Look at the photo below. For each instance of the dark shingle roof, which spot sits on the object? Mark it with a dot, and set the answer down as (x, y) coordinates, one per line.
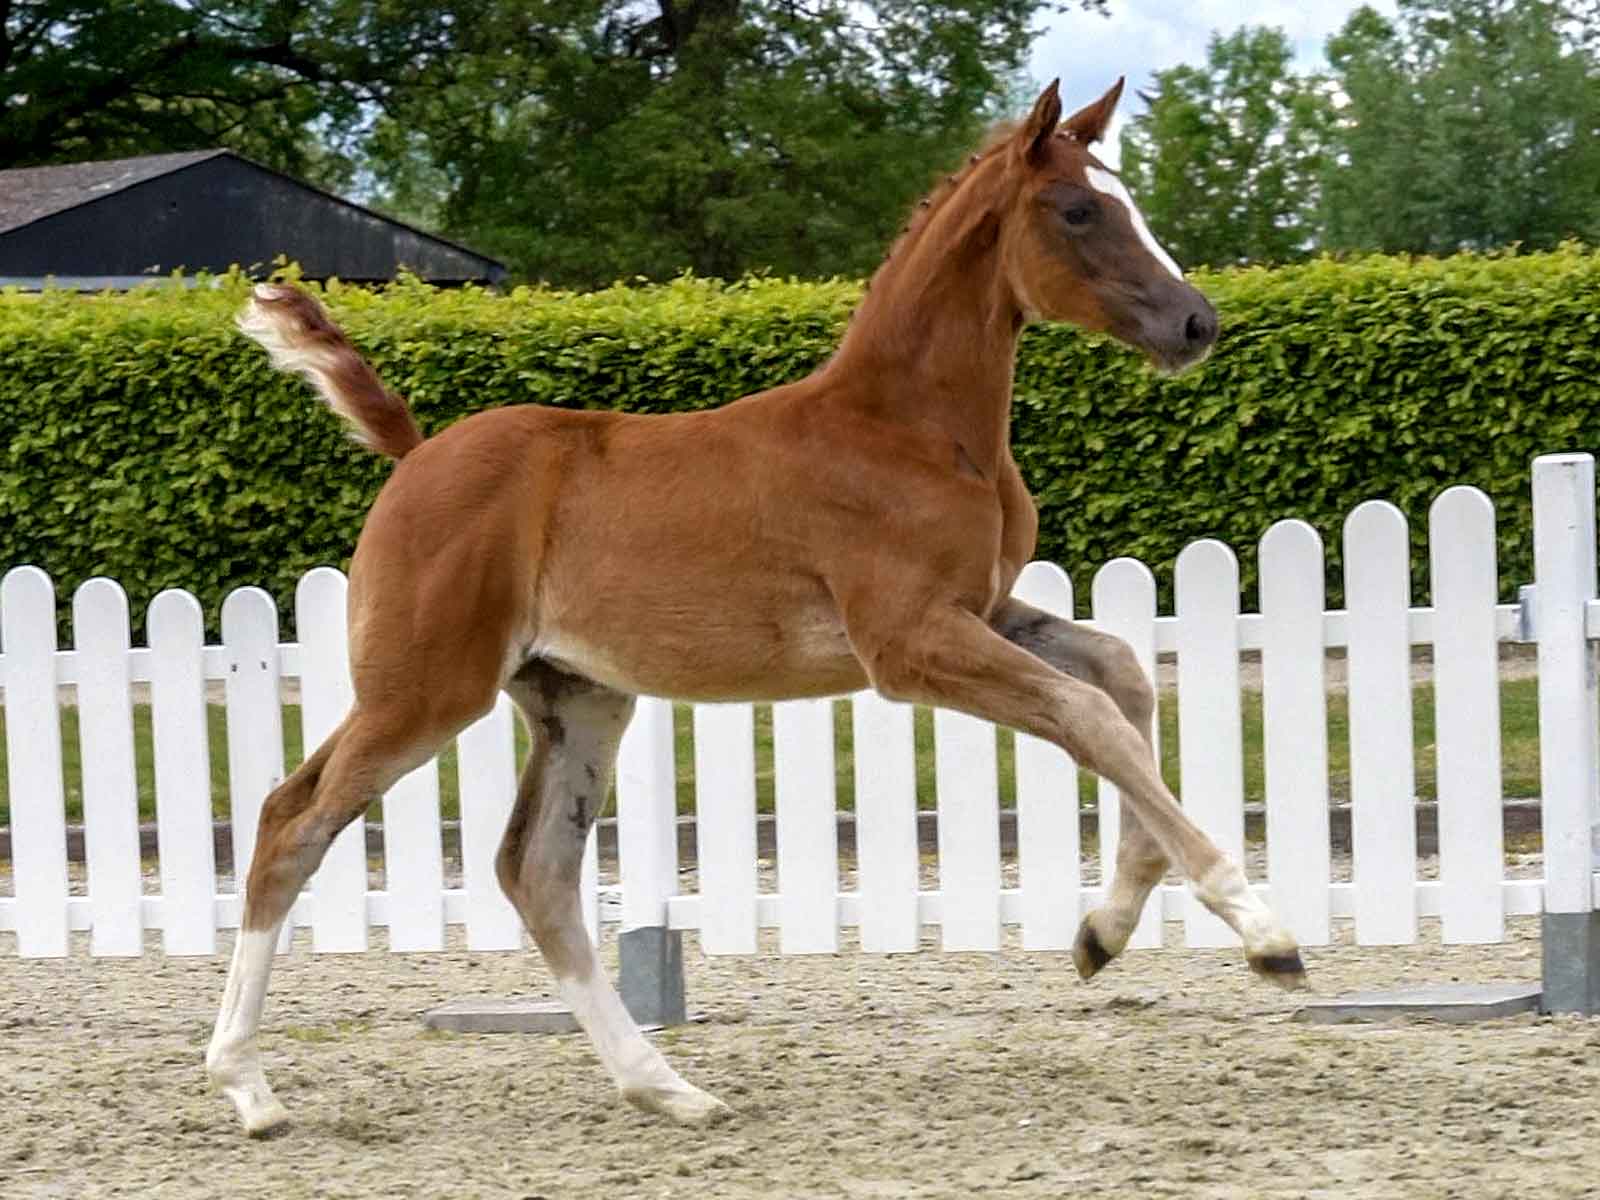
(28, 194)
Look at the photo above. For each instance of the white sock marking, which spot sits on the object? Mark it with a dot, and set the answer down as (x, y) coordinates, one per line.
(232, 1059)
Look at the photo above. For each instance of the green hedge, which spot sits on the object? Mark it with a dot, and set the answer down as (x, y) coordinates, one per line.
(146, 440)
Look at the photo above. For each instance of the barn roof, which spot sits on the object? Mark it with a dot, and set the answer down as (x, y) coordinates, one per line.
(28, 194)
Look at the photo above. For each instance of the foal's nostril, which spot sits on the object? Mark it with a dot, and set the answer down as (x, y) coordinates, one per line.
(1200, 327)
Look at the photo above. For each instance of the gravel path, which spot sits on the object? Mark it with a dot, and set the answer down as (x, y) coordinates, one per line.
(850, 1076)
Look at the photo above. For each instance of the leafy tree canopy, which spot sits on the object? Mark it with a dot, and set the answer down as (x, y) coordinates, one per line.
(1226, 158)
(1459, 124)
(583, 140)
(1469, 124)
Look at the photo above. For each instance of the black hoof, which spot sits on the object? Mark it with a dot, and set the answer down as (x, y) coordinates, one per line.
(1088, 955)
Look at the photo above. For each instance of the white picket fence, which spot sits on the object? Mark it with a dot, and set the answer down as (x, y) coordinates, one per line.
(889, 906)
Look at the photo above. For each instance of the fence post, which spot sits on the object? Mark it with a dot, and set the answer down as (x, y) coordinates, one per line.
(1564, 571)
(649, 954)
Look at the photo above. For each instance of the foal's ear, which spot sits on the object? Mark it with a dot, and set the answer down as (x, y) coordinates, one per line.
(1089, 123)
(1041, 123)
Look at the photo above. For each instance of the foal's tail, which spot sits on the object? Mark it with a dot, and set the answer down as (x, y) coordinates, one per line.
(296, 331)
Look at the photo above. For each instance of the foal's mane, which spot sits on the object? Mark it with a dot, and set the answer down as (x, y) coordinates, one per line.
(941, 192)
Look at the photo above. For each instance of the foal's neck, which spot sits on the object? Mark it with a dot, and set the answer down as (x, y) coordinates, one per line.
(935, 337)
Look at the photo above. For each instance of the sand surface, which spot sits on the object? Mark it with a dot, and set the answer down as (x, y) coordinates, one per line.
(926, 1075)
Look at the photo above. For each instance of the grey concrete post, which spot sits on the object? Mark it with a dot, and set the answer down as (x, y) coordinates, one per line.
(650, 975)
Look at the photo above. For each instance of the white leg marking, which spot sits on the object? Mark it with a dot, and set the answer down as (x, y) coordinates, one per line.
(233, 1060)
(641, 1074)
(1226, 892)
(1105, 182)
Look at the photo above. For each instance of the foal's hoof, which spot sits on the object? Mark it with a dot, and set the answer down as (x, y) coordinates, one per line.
(1286, 970)
(1088, 955)
(686, 1104)
(269, 1122)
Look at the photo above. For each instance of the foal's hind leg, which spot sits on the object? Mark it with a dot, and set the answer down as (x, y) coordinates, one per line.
(1109, 664)
(576, 726)
(352, 768)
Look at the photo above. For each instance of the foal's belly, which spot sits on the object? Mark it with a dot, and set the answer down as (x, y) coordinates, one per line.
(709, 653)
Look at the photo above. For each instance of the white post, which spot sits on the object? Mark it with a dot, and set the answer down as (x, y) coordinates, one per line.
(725, 826)
(1294, 699)
(177, 633)
(1210, 726)
(486, 768)
(887, 865)
(650, 955)
(1564, 571)
(1383, 820)
(1124, 600)
(339, 887)
(807, 826)
(33, 762)
(1048, 854)
(1467, 716)
(110, 785)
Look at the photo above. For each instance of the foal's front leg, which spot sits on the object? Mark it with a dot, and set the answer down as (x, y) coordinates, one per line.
(952, 658)
(1108, 663)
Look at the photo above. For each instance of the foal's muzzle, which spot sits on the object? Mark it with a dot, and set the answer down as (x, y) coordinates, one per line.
(1178, 331)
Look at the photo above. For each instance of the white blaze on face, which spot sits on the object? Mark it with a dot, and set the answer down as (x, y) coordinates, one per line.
(1105, 182)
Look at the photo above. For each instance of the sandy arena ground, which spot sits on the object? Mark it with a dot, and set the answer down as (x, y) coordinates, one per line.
(850, 1076)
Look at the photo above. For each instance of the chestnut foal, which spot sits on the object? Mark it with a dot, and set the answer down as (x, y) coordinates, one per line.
(862, 526)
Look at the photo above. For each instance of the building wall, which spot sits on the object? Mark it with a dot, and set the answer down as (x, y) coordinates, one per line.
(223, 211)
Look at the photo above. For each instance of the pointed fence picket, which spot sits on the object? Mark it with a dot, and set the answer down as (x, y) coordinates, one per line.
(110, 785)
(1047, 802)
(889, 905)
(1383, 830)
(1295, 729)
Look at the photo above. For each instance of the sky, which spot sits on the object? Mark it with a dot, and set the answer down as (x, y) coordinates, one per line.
(1088, 52)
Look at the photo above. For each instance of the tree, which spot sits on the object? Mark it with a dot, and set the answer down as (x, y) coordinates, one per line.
(1468, 124)
(1227, 157)
(719, 135)
(583, 140)
(84, 79)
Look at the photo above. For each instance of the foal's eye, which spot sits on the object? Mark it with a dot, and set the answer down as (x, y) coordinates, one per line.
(1078, 214)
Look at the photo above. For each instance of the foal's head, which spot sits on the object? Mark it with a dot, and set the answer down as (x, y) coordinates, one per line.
(1075, 247)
